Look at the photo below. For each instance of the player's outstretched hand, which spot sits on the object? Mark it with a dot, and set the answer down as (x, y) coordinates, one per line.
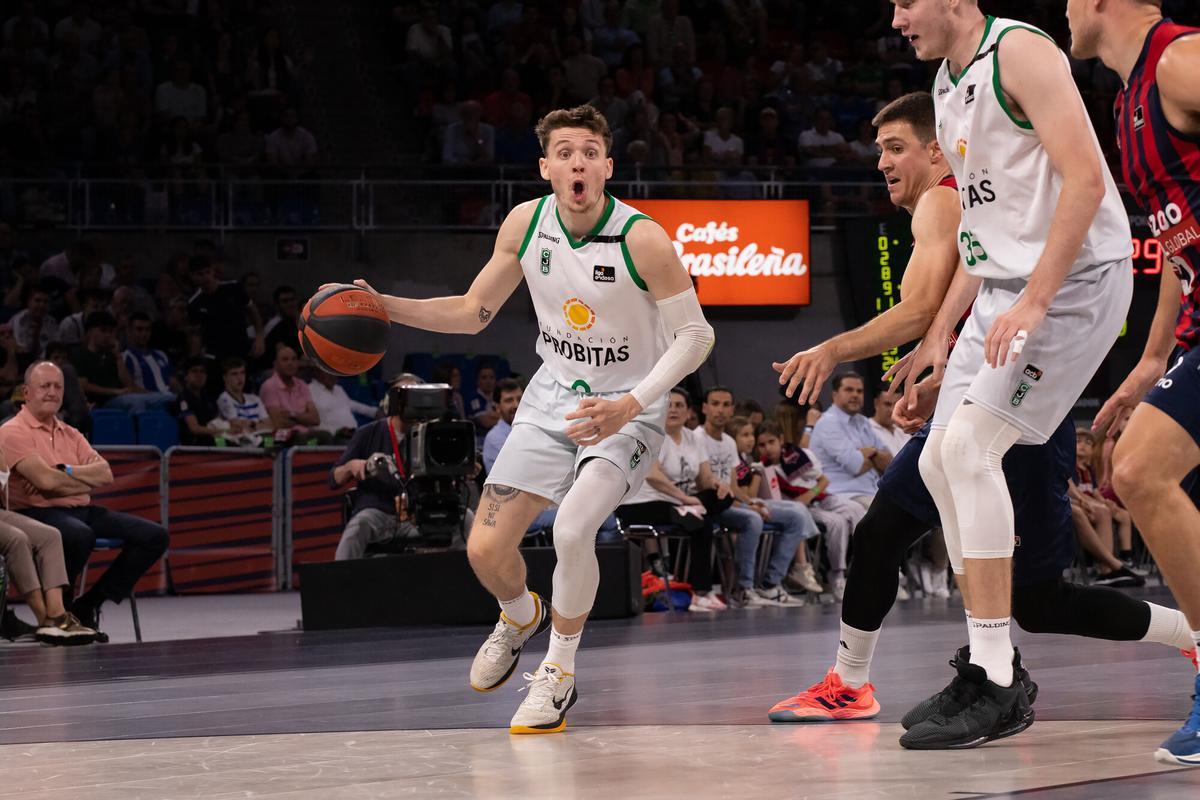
(911, 418)
(931, 353)
(600, 419)
(359, 282)
(806, 371)
(1010, 330)
(1115, 413)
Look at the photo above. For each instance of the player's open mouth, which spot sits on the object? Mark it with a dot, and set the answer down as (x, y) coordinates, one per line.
(892, 181)
(912, 38)
(577, 188)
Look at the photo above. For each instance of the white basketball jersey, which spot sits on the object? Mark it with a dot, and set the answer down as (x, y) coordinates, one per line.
(599, 329)
(1007, 184)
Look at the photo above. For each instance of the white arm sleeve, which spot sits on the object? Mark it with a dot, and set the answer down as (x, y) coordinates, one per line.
(683, 320)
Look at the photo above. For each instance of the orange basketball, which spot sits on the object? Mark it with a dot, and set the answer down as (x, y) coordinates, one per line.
(344, 329)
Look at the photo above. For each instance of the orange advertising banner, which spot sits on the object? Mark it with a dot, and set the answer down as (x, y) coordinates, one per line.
(740, 252)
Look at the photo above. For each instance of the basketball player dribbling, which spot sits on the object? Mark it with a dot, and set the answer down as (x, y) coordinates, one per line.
(1044, 236)
(919, 181)
(1158, 131)
(619, 325)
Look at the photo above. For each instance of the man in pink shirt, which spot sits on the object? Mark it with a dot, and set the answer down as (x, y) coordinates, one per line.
(289, 402)
(54, 471)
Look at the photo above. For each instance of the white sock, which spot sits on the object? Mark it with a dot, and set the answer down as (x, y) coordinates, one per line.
(1169, 627)
(967, 611)
(855, 649)
(991, 648)
(520, 610)
(562, 650)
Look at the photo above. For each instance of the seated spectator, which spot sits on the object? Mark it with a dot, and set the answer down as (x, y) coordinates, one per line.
(171, 332)
(378, 514)
(797, 474)
(750, 475)
(821, 146)
(241, 145)
(249, 423)
(723, 147)
(607, 103)
(496, 105)
(75, 409)
(671, 32)
(136, 297)
(102, 373)
(81, 25)
(516, 143)
(282, 328)
(611, 39)
(80, 257)
(747, 514)
(770, 147)
(850, 452)
(8, 360)
(482, 409)
(200, 422)
(180, 97)
(671, 496)
(291, 145)
(70, 330)
(891, 434)
(335, 407)
(33, 554)
(864, 149)
(33, 328)
(1093, 517)
(149, 368)
(445, 372)
(470, 142)
(289, 403)
(582, 71)
(429, 43)
(752, 411)
(54, 472)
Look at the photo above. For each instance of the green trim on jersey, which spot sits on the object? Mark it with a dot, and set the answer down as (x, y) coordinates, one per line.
(633, 273)
(987, 29)
(581, 385)
(1023, 124)
(533, 223)
(578, 243)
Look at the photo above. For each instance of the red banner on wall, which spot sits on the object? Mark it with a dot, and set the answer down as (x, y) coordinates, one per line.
(740, 252)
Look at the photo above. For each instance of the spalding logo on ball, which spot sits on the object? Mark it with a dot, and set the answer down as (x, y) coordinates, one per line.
(344, 329)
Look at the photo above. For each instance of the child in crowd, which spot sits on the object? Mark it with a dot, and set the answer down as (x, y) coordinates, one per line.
(795, 473)
(751, 477)
(1095, 516)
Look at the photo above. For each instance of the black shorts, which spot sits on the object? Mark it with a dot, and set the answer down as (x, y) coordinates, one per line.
(1177, 394)
(1037, 477)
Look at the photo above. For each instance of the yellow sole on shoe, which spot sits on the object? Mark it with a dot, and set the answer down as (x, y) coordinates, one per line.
(521, 729)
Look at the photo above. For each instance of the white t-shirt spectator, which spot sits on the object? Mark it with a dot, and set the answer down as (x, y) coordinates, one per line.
(23, 332)
(826, 72)
(894, 439)
(425, 45)
(722, 455)
(291, 149)
(680, 462)
(724, 148)
(336, 408)
(864, 151)
(189, 102)
(70, 330)
(811, 138)
(57, 266)
(250, 407)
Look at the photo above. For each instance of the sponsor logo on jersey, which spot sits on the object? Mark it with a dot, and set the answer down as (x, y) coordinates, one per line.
(1033, 373)
(1139, 118)
(943, 90)
(961, 147)
(977, 194)
(554, 239)
(579, 315)
(637, 455)
(602, 274)
(587, 353)
(1019, 395)
(545, 260)
(970, 95)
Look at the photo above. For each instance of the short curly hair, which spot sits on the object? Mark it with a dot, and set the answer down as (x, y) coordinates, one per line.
(579, 117)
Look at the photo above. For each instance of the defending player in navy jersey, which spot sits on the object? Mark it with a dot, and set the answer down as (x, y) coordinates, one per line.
(902, 510)
(619, 325)
(1158, 132)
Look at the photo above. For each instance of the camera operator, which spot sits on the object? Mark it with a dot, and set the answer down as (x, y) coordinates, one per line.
(378, 514)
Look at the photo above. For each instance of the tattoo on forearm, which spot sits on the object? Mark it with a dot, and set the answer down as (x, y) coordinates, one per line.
(484, 314)
(496, 496)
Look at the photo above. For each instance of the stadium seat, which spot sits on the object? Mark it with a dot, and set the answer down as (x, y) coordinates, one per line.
(112, 427)
(157, 429)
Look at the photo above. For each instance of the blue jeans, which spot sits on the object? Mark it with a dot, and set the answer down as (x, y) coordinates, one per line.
(795, 524)
(140, 401)
(607, 534)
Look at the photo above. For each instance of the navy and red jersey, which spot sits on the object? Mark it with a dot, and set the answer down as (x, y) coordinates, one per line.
(950, 183)
(1161, 166)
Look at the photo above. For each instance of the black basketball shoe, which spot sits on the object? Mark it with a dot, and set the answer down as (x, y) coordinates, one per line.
(950, 700)
(986, 712)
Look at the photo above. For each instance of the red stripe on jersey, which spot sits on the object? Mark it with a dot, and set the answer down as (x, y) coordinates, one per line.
(1161, 166)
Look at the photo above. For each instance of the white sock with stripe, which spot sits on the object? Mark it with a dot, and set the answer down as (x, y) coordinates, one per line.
(562, 650)
(855, 649)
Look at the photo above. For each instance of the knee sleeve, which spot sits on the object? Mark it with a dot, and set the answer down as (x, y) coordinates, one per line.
(1096, 612)
(934, 475)
(972, 452)
(596, 492)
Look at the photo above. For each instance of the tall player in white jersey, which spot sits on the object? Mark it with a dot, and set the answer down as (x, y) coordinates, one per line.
(619, 324)
(1045, 245)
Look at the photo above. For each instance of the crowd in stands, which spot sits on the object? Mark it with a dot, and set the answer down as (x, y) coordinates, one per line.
(720, 84)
